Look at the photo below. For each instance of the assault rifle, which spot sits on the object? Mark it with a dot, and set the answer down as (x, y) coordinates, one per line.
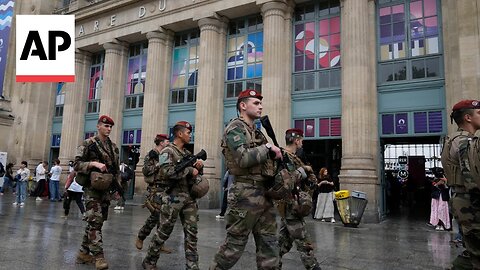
(283, 163)
(188, 161)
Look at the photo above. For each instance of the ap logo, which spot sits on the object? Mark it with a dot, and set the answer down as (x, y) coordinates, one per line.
(45, 48)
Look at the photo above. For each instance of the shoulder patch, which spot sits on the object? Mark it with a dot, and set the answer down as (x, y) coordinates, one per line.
(163, 159)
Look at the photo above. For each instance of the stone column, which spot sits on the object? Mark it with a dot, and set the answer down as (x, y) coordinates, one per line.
(113, 89)
(74, 108)
(157, 83)
(26, 126)
(209, 109)
(359, 168)
(276, 39)
(461, 45)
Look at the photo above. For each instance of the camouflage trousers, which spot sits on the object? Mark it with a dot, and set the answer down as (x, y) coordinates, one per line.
(174, 206)
(249, 212)
(152, 221)
(95, 214)
(466, 209)
(293, 231)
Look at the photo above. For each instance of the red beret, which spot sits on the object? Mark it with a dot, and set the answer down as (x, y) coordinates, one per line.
(250, 93)
(106, 120)
(466, 104)
(294, 132)
(184, 124)
(162, 137)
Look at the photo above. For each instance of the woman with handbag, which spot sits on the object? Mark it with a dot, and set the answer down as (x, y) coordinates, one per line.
(325, 186)
(439, 215)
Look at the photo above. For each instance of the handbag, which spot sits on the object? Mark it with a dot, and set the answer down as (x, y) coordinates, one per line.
(100, 181)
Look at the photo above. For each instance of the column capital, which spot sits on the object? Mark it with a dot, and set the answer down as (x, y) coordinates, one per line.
(274, 8)
(114, 45)
(81, 56)
(217, 23)
(161, 33)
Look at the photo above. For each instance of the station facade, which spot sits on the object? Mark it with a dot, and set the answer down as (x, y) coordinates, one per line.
(355, 75)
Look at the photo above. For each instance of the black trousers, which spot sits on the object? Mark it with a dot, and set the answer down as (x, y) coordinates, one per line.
(40, 189)
(71, 195)
(224, 203)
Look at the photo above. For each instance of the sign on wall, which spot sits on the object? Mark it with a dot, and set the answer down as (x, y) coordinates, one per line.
(6, 14)
(45, 48)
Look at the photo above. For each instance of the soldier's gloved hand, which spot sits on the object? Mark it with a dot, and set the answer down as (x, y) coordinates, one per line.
(99, 166)
(198, 164)
(194, 172)
(277, 151)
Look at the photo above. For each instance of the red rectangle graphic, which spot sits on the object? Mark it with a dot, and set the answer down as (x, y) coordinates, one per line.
(45, 78)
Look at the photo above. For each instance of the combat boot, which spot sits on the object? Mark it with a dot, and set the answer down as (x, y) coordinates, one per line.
(148, 266)
(317, 267)
(83, 257)
(100, 262)
(139, 243)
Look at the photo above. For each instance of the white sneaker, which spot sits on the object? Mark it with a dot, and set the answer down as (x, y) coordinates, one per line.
(15, 203)
(38, 199)
(22, 204)
(118, 207)
(332, 220)
(219, 217)
(439, 228)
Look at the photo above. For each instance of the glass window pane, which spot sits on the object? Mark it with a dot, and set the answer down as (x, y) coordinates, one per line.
(252, 23)
(431, 45)
(398, 13)
(335, 25)
(385, 33)
(324, 27)
(416, 29)
(323, 8)
(299, 124)
(335, 78)
(323, 80)
(399, 31)
(385, 15)
(174, 97)
(181, 96)
(433, 67)
(299, 63)
(418, 69)
(386, 73)
(416, 10)
(309, 81)
(400, 71)
(387, 124)
(418, 47)
(309, 127)
(241, 27)
(334, 58)
(309, 61)
(334, 6)
(309, 12)
(191, 95)
(230, 90)
(430, 7)
(431, 26)
(299, 83)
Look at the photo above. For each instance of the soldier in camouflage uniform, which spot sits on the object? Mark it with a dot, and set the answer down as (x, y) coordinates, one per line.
(246, 152)
(293, 225)
(176, 199)
(99, 154)
(151, 167)
(466, 194)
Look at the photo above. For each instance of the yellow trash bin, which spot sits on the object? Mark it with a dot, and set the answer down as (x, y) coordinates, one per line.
(351, 206)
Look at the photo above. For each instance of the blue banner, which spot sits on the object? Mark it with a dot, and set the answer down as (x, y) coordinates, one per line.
(6, 15)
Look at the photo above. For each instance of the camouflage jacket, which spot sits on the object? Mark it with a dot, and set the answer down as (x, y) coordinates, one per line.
(151, 167)
(456, 163)
(168, 159)
(92, 149)
(244, 148)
